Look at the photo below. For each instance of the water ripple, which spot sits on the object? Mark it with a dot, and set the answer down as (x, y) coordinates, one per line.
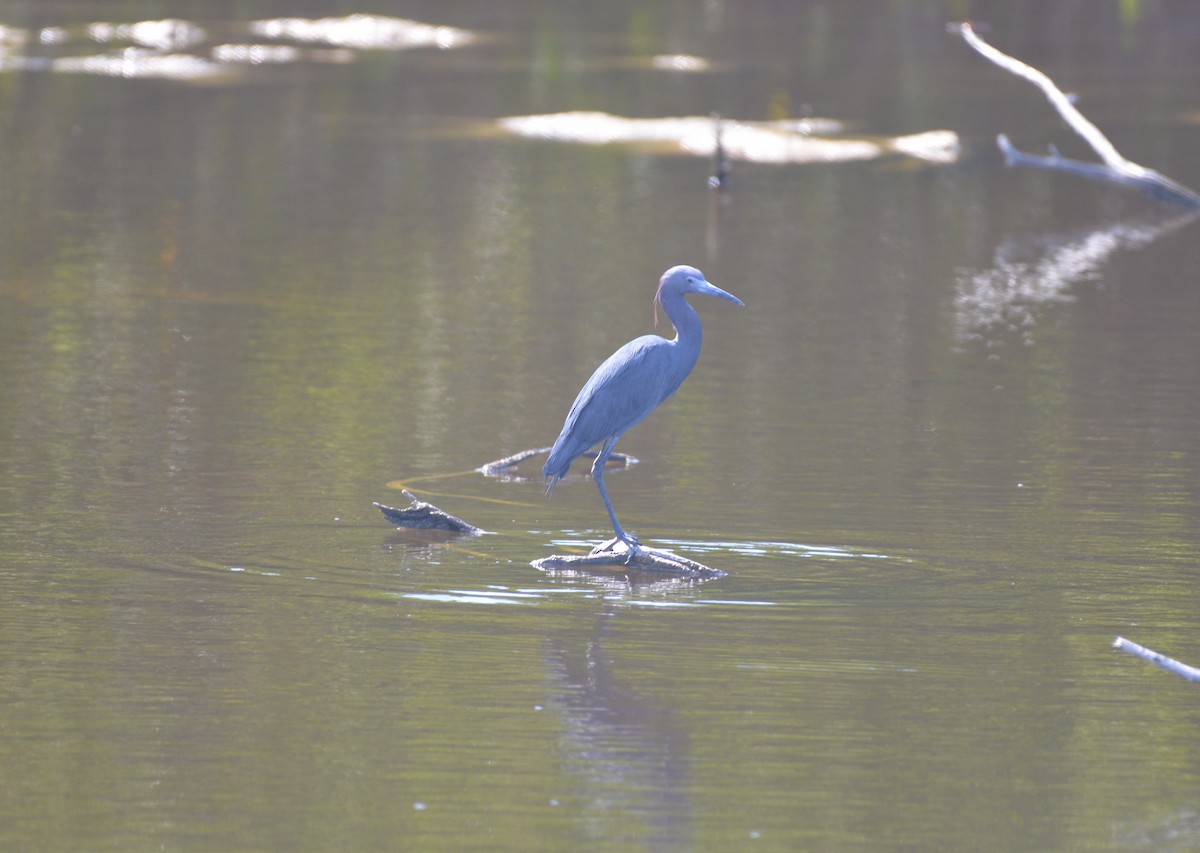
(772, 548)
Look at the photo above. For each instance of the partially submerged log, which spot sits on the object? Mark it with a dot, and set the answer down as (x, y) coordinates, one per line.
(499, 466)
(425, 516)
(503, 467)
(1187, 673)
(615, 554)
(1113, 167)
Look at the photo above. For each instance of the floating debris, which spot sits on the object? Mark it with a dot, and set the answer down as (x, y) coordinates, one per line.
(425, 516)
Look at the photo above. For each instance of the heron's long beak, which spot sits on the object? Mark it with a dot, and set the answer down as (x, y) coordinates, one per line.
(712, 290)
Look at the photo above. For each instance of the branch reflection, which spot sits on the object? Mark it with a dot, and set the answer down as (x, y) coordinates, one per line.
(1033, 271)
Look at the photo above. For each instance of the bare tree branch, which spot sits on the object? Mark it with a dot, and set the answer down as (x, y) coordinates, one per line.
(1115, 168)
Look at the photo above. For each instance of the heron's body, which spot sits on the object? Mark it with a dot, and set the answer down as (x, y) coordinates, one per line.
(632, 382)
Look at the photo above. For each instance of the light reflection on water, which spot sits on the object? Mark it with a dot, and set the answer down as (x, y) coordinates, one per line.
(178, 50)
(1036, 271)
(805, 140)
(766, 549)
(464, 597)
(504, 596)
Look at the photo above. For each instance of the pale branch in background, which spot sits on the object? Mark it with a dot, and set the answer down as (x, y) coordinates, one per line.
(1091, 134)
(1114, 167)
(1188, 673)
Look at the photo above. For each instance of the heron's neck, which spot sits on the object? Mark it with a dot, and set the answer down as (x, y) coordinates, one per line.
(684, 318)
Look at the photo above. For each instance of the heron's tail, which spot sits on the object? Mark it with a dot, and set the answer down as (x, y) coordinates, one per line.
(557, 465)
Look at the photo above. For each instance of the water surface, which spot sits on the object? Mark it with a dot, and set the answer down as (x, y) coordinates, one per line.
(945, 453)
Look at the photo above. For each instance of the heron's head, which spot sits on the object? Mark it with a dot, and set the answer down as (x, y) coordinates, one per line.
(684, 279)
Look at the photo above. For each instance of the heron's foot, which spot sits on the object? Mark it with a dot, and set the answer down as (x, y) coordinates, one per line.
(633, 548)
(635, 551)
(629, 544)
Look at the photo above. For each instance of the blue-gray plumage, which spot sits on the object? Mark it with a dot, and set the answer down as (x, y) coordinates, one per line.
(632, 382)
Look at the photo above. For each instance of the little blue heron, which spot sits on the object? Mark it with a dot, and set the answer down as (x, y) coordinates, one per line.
(632, 382)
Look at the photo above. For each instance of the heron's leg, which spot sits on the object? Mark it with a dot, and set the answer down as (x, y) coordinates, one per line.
(598, 476)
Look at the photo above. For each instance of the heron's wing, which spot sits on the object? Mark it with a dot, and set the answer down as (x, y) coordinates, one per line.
(622, 391)
(626, 388)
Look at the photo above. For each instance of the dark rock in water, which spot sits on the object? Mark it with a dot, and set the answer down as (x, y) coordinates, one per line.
(425, 516)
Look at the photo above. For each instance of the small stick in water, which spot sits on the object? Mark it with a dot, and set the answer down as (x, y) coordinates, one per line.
(1188, 673)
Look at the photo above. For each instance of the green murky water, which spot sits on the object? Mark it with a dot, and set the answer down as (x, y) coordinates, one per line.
(255, 276)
